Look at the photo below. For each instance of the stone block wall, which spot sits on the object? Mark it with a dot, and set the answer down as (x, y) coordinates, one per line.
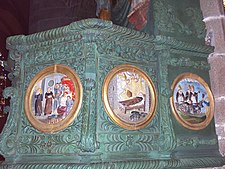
(45, 15)
(213, 12)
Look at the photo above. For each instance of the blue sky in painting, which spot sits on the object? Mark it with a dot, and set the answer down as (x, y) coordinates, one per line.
(198, 87)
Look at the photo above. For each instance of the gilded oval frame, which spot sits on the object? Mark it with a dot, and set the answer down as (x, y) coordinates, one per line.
(152, 92)
(74, 109)
(195, 112)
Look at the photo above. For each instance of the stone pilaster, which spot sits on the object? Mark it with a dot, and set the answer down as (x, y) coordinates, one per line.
(214, 19)
(217, 77)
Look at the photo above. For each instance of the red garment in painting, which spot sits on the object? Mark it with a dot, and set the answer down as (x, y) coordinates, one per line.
(48, 102)
(71, 88)
(61, 110)
(138, 14)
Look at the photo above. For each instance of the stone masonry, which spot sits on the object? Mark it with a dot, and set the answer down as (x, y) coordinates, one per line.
(213, 13)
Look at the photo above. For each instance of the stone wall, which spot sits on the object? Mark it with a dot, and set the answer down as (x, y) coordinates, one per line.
(213, 12)
(49, 14)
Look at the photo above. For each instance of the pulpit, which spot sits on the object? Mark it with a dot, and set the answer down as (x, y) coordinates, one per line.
(93, 94)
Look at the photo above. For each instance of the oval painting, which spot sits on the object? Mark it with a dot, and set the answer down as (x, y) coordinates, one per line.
(192, 101)
(53, 98)
(129, 97)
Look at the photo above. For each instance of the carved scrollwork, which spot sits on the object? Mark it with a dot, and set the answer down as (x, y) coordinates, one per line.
(33, 142)
(16, 56)
(168, 20)
(54, 53)
(88, 141)
(131, 52)
(10, 92)
(195, 142)
(88, 137)
(30, 73)
(131, 164)
(177, 46)
(8, 137)
(141, 143)
(195, 23)
(48, 144)
(187, 62)
(167, 137)
(107, 124)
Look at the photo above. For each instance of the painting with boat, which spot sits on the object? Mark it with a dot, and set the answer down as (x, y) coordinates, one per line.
(129, 96)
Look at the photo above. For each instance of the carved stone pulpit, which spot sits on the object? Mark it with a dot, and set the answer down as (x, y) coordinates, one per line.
(97, 95)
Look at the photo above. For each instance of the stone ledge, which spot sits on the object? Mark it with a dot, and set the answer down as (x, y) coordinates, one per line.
(144, 164)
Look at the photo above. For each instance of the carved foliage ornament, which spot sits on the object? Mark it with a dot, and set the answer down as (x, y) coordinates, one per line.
(169, 19)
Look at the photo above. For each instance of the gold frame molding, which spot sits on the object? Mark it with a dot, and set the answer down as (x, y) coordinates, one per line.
(209, 116)
(51, 128)
(120, 122)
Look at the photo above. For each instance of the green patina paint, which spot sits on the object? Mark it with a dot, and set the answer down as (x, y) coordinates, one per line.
(92, 48)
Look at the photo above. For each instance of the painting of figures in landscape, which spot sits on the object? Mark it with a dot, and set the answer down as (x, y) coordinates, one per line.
(53, 98)
(129, 96)
(191, 100)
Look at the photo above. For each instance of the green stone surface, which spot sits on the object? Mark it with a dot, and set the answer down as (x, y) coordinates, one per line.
(92, 48)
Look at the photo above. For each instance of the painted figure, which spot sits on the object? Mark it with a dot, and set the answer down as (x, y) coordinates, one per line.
(69, 104)
(194, 99)
(62, 105)
(180, 95)
(188, 96)
(48, 102)
(194, 95)
(191, 104)
(38, 102)
(68, 87)
(57, 94)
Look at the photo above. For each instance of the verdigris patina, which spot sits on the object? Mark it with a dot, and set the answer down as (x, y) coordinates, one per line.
(92, 48)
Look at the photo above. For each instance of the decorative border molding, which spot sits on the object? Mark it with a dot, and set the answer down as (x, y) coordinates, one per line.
(180, 45)
(144, 164)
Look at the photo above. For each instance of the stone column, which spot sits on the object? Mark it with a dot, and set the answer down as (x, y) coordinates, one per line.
(48, 14)
(214, 19)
